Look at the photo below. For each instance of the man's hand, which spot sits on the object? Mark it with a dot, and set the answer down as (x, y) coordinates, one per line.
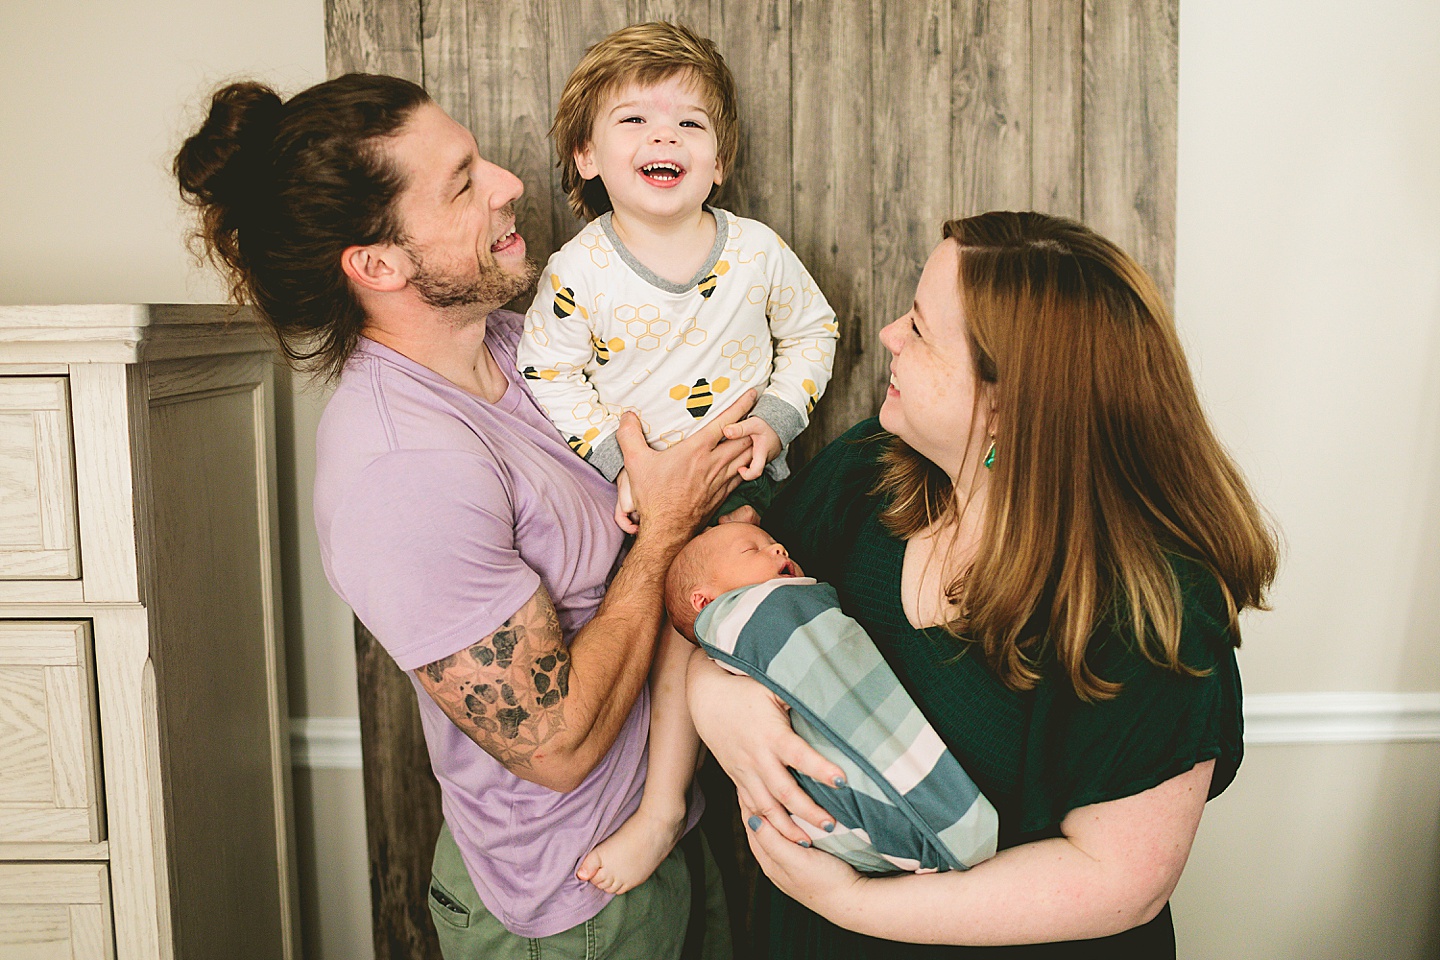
(678, 489)
(766, 444)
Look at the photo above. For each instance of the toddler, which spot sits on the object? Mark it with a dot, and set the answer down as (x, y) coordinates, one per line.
(906, 803)
(673, 308)
(663, 304)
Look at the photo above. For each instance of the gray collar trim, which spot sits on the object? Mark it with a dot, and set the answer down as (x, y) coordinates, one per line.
(722, 234)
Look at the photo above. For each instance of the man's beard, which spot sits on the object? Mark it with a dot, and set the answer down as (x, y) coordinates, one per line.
(491, 285)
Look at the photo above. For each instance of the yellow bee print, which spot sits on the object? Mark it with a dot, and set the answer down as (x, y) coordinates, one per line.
(564, 305)
(530, 373)
(603, 349)
(699, 398)
(581, 445)
(814, 393)
(707, 286)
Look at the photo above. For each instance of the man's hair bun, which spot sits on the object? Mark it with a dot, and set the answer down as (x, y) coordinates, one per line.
(221, 162)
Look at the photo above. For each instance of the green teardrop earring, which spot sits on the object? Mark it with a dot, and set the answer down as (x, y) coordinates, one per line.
(989, 460)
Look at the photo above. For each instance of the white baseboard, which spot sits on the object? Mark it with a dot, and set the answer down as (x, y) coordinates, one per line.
(1289, 718)
(325, 743)
(333, 743)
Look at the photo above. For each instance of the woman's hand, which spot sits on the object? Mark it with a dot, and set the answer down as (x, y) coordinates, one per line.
(823, 883)
(748, 731)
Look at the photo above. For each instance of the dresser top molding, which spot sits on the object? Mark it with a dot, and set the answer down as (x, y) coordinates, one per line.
(126, 332)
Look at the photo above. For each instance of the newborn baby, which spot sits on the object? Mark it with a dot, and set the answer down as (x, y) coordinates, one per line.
(907, 804)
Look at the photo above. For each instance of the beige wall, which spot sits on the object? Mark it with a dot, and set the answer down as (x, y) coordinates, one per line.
(1308, 291)
(97, 96)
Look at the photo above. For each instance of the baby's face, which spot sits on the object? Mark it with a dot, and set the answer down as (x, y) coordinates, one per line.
(741, 554)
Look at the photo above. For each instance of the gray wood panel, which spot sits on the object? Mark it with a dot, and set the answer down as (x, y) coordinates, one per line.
(911, 56)
(574, 27)
(833, 152)
(445, 39)
(865, 124)
(1131, 66)
(510, 89)
(402, 806)
(373, 36)
(759, 184)
(990, 107)
(1056, 105)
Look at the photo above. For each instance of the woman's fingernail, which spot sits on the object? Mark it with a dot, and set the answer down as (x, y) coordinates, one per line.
(753, 823)
(804, 843)
(829, 826)
(839, 781)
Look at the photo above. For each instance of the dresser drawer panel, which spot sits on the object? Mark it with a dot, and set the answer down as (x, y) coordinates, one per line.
(55, 910)
(49, 774)
(38, 529)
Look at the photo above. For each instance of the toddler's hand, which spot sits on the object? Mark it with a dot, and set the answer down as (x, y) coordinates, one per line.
(766, 444)
(625, 515)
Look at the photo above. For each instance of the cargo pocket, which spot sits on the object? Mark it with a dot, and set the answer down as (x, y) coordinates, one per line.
(446, 908)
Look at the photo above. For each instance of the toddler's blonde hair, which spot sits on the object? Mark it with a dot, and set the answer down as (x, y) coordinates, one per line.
(644, 54)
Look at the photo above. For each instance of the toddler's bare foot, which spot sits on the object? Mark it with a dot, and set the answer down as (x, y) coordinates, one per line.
(626, 858)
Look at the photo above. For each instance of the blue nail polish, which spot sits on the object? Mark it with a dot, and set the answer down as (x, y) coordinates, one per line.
(753, 823)
(829, 826)
(839, 782)
(805, 843)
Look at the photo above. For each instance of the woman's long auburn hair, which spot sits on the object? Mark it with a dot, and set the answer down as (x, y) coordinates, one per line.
(1105, 463)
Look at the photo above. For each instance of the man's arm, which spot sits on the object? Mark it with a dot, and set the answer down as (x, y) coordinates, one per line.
(507, 691)
(549, 713)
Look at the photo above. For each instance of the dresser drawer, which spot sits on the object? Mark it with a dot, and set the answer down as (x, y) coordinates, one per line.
(55, 910)
(49, 770)
(38, 538)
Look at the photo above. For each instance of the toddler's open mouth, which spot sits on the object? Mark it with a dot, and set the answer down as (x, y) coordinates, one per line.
(662, 172)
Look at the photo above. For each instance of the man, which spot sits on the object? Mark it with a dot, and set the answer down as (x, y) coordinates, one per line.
(452, 516)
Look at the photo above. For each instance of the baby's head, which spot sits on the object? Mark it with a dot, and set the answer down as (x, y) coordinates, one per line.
(633, 61)
(721, 559)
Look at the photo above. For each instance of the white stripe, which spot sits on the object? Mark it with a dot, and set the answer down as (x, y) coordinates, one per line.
(726, 629)
(915, 764)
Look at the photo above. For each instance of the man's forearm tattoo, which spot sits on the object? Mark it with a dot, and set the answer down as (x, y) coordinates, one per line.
(508, 691)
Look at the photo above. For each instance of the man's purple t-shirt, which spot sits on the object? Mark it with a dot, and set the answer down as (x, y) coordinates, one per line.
(439, 515)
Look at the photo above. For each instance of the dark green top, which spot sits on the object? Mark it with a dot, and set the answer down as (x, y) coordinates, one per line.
(1036, 755)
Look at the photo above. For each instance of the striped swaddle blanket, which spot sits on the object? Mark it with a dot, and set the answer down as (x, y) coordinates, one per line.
(907, 803)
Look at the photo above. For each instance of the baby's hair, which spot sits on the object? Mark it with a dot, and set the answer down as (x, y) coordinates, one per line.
(645, 54)
(687, 572)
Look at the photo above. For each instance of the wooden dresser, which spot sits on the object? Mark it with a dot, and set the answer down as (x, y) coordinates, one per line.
(144, 754)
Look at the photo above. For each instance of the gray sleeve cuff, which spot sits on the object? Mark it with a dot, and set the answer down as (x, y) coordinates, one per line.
(605, 456)
(785, 420)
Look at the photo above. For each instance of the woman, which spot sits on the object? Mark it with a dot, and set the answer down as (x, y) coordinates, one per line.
(1051, 549)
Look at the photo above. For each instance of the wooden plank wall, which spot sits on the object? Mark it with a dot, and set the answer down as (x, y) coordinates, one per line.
(865, 125)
